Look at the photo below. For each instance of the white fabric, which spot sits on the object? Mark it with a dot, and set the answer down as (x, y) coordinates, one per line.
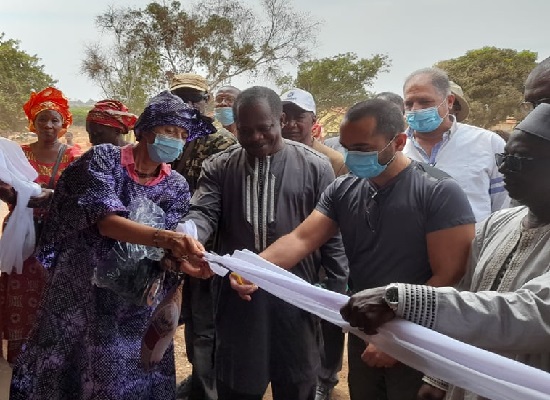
(468, 155)
(479, 371)
(18, 239)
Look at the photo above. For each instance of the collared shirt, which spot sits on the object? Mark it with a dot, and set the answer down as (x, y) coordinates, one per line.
(467, 153)
(128, 162)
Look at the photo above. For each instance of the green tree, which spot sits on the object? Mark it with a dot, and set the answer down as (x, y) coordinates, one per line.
(129, 69)
(492, 80)
(218, 38)
(337, 82)
(20, 73)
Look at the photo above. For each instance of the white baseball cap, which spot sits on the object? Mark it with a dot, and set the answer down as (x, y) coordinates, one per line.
(301, 98)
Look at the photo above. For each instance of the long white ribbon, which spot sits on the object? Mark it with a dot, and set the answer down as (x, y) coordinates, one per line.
(480, 371)
(18, 239)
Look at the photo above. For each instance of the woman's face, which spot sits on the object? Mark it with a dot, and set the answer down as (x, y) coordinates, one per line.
(175, 132)
(48, 124)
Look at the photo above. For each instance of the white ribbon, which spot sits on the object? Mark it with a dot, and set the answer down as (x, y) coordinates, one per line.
(479, 371)
(18, 239)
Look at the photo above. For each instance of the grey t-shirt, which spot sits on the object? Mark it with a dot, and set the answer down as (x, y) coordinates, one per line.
(384, 229)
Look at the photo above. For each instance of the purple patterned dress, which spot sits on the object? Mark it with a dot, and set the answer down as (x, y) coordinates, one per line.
(86, 340)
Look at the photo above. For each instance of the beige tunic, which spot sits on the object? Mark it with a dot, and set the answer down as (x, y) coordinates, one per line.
(506, 308)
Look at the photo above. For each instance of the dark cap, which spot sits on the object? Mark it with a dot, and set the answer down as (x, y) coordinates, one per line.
(537, 122)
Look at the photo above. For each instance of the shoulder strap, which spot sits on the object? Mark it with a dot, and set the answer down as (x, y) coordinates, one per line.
(56, 165)
(434, 172)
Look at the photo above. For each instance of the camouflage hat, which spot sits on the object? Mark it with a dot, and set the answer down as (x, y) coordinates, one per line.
(189, 80)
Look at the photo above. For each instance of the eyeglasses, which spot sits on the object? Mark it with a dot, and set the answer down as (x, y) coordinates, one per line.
(516, 163)
(194, 98)
(528, 106)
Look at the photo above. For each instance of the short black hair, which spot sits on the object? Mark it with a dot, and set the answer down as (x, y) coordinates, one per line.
(389, 119)
(253, 95)
(394, 98)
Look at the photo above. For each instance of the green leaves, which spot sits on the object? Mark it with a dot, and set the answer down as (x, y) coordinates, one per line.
(217, 38)
(492, 80)
(20, 73)
(337, 82)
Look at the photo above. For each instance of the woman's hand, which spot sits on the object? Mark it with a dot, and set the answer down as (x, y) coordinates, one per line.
(182, 246)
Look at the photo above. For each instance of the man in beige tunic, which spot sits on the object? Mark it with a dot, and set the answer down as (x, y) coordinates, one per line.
(503, 302)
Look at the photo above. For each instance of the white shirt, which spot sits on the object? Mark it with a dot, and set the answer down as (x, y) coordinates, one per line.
(467, 153)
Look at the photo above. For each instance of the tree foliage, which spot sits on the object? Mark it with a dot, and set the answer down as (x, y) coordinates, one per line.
(492, 80)
(337, 82)
(129, 69)
(220, 39)
(20, 73)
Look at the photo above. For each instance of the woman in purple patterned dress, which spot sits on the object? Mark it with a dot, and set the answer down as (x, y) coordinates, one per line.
(86, 340)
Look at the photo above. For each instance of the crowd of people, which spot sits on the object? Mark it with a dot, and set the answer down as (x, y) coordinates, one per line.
(411, 211)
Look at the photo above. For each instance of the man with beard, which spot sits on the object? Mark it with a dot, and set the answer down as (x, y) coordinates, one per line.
(503, 302)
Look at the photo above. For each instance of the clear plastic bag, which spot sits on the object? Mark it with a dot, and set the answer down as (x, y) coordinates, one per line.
(133, 270)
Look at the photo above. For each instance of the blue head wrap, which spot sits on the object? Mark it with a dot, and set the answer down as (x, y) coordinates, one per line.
(168, 109)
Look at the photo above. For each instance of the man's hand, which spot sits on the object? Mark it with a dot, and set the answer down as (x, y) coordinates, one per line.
(191, 265)
(376, 358)
(243, 287)
(429, 392)
(367, 310)
(7, 193)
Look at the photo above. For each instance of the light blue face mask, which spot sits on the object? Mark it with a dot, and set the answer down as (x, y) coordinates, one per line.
(165, 149)
(425, 120)
(364, 164)
(225, 115)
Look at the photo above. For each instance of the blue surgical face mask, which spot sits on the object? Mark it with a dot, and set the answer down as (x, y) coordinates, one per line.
(364, 164)
(225, 115)
(425, 120)
(165, 149)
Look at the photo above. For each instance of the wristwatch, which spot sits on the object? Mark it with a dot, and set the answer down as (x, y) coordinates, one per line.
(391, 296)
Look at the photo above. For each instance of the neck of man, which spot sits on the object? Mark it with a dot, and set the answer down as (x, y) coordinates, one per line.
(537, 217)
(399, 163)
(232, 128)
(429, 139)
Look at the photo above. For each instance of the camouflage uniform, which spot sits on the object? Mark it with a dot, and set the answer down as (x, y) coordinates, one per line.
(190, 163)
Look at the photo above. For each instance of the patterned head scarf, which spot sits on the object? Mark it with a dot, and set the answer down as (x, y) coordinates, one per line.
(168, 109)
(112, 113)
(48, 99)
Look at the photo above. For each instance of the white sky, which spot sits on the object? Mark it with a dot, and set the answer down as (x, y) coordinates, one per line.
(414, 33)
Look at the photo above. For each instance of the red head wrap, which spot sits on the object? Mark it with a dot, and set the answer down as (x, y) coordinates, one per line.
(48, 99)
(112, 113)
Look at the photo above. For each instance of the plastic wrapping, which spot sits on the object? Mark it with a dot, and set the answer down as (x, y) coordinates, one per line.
(133, 270)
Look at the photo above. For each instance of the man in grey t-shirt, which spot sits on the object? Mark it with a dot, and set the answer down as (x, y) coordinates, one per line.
(398, 218)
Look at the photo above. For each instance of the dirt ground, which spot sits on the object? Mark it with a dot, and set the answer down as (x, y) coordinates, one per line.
(183, 368)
